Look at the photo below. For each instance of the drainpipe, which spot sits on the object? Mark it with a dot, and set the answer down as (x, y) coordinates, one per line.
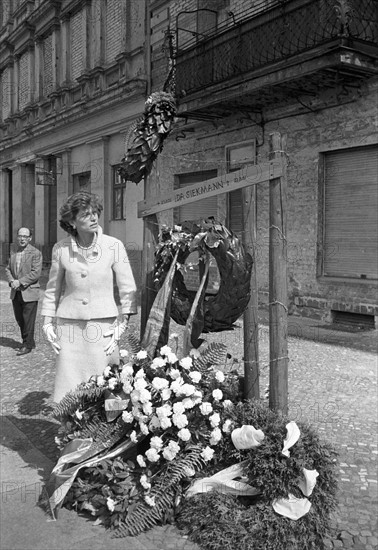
(148, 46)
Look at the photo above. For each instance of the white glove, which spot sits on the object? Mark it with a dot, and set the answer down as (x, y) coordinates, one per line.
(50, 334)
(115, 332)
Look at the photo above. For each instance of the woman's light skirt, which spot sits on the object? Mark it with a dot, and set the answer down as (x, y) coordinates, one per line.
(82, 352)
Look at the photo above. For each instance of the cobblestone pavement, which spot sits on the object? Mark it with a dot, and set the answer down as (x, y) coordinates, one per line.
(332, 384)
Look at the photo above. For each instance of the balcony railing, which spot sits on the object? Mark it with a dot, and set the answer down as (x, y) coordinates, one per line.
(275, 35)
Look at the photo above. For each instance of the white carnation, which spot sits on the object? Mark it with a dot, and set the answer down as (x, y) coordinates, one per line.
(165, 350)
(184, 434)
(227, 426)
(227, 404)
(133, 437)
(197, 397)
(168, 454)
(140, 374)
(123, 353)
(154, 423)
(145, 395)
(110, 503)
(166, 394)
(143, 428)
(156, 443)
(172, 358)
(152, 455)
(176, 385)
(144, 482)
(186, 362)
(219, 375)
(100, 380)
(127, 371)
(216, 436)
(127, 387)
(164, 411)
(217, 394)
(147, 408)
(140, 383)
(186, 389)
(158, 362)
(112, 383)
(165, 423)
(159, 383)
(142, 354)
(107, 371)
(189, 472)
(137, 413)
(127, 417)
(206, 408)
(188, 403)
(180, 420)
(214, 419)
(135, 396)
(207, 454)
(174, 374)
(141, 461)
(150, 500)
(196, 376)
(178, 407)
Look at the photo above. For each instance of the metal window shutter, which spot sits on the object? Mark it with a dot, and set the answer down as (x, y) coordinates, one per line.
(351, 213)
(235, 211)
(202, 208)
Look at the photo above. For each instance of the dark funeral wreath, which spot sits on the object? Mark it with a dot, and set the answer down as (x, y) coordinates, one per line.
(216, 312)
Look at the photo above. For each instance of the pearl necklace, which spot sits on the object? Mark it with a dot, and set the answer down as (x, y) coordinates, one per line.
(87, 247)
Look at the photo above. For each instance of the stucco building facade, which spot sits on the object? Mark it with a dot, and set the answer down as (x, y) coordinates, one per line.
(72, 84)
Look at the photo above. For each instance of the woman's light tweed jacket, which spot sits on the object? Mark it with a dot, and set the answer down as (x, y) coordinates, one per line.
(81, 286)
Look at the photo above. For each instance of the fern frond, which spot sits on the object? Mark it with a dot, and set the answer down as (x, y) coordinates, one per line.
(134, 343)
(214, 354)
(76, 399)
(165, 490)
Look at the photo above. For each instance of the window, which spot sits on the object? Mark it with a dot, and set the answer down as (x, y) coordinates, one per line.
(350, 213)
(47, 76)
(77, 45)
(119, 195)
(236, 156)
(113, 29)
(82, 182)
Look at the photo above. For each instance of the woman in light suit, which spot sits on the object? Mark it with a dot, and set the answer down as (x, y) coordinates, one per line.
(80, 313)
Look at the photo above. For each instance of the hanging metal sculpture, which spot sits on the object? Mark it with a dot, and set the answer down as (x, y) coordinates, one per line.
(149, 136)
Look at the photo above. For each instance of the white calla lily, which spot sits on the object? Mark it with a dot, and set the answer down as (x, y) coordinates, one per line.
(247, 437)
(292, 507)
(308, 481)
(293, 434)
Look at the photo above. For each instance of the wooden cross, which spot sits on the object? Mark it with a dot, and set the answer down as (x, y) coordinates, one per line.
(274, 173)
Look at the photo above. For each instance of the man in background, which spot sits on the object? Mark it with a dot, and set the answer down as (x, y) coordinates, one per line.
(23, 272)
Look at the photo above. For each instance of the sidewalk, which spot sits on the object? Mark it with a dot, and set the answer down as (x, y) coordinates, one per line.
(332, 385)
(24, 526)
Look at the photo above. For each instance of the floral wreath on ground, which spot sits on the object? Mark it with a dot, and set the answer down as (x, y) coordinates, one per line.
(142, 443)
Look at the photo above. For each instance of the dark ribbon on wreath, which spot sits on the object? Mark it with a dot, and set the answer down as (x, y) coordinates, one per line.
(199, 311)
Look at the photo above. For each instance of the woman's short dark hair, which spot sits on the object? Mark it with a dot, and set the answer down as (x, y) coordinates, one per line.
(74, 203)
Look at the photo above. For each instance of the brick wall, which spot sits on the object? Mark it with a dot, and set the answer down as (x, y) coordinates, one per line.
(47, 66)
(113, 31)
(341, 126)
(77, 38)
(24, 81)
(6, 93)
